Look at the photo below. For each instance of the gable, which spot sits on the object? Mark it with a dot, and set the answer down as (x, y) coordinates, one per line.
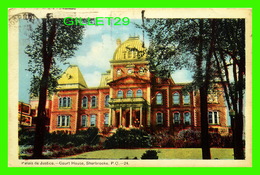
(129, 80)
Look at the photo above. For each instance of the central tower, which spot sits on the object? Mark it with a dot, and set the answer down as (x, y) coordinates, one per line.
(130, 88)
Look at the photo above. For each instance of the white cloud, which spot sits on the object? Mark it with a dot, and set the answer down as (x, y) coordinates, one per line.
(182, 76)
(92, 79)
(99, 53)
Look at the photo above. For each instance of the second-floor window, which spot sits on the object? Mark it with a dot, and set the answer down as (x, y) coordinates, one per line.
(93, 101)
(106, 101)
(139, 93)
(129, 93)
(159, 99)
(120, 94)
(186, 99)
(85, 102)
(176, 98)
(64, 102)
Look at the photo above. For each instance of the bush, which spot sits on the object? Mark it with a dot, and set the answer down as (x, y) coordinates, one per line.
(188, 139)
(134, 138)
(162, 138)
(150, 154)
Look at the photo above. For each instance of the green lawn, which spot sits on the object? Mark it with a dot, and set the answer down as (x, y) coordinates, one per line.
(172, 153)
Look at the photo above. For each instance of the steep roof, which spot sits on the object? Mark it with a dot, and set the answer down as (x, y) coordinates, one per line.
(72, 78)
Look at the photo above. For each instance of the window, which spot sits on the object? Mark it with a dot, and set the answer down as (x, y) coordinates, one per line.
(187, 118)
(120, 94)
(129, 93)
(84, 121)
(159, 99)
(63, 121)
(213, 117)
(176, 98)
(106, 101)
(186, 99)
(139, 93)
(159, 118)
(65, 102)
(106, 120)
(176, 118)
(93, 101)
(93, 120)
(85, 102)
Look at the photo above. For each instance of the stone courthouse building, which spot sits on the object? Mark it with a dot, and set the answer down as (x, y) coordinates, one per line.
(129, 95)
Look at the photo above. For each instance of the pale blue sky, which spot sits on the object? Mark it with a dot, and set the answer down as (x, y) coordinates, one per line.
(92, 57)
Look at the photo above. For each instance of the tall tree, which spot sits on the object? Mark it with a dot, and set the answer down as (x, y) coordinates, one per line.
(229, 55)
(52, 44)
(178, 43)
(204, 46)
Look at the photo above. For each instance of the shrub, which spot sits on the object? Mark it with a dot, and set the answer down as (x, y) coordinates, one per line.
(150, 154)
(162, 138)
(134, 138)
(188, 138)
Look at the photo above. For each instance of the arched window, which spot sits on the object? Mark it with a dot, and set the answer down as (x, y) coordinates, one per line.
(129, 93)
(159, 118)
(93, 120)
(187, 118)
(85, 102)
(159, 99)
(106, 101)
(93, 101)
(60, 102)
(65, 102)
(139, 93)
(176, 118)
(84, 120)
(120, 94)
(186, 99)
(176, 98)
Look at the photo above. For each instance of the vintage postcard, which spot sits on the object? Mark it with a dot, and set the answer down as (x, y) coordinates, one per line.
(121, 87)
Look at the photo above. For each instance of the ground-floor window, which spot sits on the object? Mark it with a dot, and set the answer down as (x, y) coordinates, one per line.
(213, 117)
(84, 120)
(176, 118)
(159, 118)
(187, 118)
(63, 121)
(93, 120)
(106, 120)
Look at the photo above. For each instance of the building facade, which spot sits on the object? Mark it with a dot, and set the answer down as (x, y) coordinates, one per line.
(129, 95)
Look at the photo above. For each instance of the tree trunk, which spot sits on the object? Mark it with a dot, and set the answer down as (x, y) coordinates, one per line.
(204, 125)
(41, 116)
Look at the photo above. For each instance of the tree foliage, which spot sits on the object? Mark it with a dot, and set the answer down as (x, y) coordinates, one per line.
(52, 43)
(62, 41)
(213, 49)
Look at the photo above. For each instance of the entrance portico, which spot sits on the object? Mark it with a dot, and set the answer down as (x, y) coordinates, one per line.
(128, 112)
